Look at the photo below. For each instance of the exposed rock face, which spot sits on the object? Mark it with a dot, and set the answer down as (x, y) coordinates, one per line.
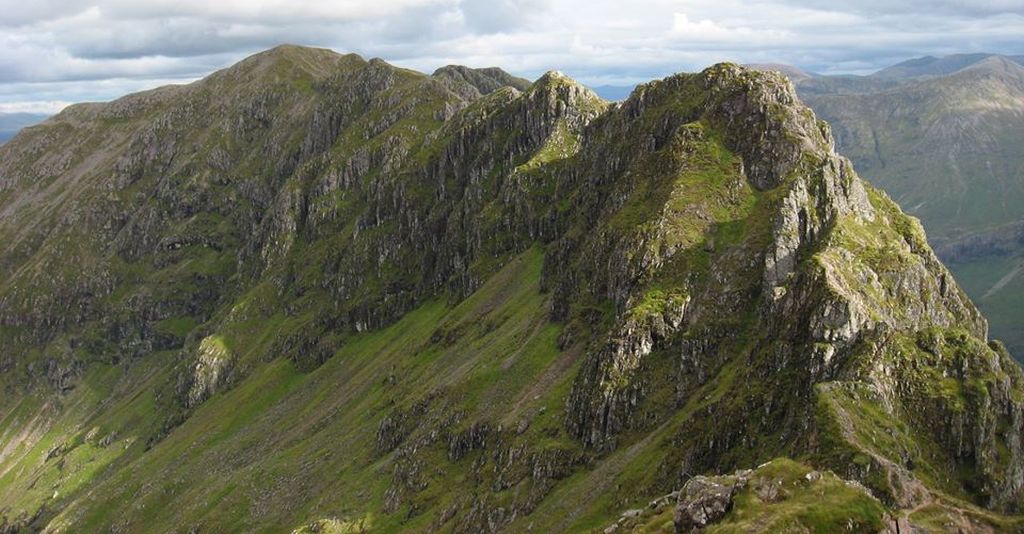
(703, 255)
(210, 371)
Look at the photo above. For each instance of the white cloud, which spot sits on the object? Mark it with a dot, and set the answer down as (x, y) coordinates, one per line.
(47, 107)
(710, 31)
(20, 12)
(67, 50)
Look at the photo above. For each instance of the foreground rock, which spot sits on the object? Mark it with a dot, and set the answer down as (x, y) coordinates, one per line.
(704, 500)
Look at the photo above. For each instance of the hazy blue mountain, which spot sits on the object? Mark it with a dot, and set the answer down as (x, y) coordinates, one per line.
(614, 93)
(12, 123)
(931, 66)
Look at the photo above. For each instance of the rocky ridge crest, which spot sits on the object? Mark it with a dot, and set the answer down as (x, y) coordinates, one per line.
(725, 288)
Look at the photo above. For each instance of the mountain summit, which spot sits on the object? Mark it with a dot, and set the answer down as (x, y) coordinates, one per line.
(316, 292)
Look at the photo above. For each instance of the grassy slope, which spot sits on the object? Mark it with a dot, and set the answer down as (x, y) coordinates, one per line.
(65, 443)
(302, 445)
(284, 448)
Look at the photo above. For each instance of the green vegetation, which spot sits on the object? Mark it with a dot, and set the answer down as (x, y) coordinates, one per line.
(320, 293)
(996, 283)
(278, 418)
(784, 496)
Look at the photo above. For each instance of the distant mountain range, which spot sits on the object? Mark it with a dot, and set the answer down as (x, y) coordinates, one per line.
(810, 83)
(12, 123)
(930, 66)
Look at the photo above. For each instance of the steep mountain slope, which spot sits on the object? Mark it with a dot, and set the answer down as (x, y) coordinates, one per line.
(949, 151)
(317, 291)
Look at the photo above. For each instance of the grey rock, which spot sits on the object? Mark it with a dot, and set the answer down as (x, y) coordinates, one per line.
(704, 500)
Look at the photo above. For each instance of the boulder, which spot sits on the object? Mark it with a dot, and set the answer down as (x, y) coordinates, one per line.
(705, 500)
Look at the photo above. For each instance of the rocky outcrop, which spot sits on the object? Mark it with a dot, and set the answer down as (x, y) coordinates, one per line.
(779, 495)
(840, 265)
(703, 501)
(210, 371)
(613, 370)
(977, 425)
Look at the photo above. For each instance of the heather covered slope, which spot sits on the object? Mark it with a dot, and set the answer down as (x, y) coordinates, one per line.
(317, 289)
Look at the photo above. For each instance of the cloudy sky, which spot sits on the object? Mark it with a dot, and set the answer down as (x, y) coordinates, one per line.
(53, 52)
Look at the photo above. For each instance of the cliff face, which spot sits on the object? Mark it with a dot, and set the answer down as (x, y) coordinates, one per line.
(943, 137)
(356, 293)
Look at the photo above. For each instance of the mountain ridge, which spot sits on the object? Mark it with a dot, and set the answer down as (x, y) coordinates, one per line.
(936, 66)
(376, 297)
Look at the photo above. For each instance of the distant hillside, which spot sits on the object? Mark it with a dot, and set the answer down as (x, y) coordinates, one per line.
(793, 73)
(12, 123)
(898, 75)
(949, 149)
(931, 66)
(472, 83)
